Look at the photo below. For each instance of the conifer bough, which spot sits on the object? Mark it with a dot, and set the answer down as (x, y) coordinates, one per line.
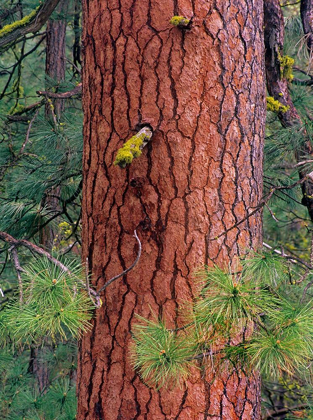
(228, 305)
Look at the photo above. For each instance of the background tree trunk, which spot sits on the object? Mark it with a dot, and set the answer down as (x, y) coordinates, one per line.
(202, 91)
(278, 88)
(55, 74)
(55, 69)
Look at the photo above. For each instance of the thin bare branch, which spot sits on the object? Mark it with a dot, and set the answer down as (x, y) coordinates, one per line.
(264, 203)
(54, 117)
(291, 258)
(271, 212)
(64, 95)
(19, 270)
(282, 411)
(28, 132)
(125, 271)
(26, 109)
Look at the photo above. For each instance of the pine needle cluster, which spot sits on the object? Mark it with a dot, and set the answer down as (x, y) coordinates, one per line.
(159, 354)
(248, 318)
(52, 304)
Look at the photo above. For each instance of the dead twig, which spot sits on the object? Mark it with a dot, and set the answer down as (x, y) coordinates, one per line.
(19, 270)
(125, 271)
(63, 95)
(264, 203)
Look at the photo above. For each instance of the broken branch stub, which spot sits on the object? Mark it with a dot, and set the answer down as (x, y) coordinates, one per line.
(133, 147)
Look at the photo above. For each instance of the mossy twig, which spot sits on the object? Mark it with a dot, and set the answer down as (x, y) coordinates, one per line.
(29, 24)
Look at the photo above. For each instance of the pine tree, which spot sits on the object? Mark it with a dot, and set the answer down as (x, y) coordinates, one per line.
(185, 74)
(269, 289)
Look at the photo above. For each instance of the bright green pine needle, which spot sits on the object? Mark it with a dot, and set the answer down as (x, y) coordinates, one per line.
(54, 304)
(160, 355)
(265, 268)
(294, 319)
(229, 304)
(273, 354)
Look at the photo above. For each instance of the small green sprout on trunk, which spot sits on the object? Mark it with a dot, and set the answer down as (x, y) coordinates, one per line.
(133, 147)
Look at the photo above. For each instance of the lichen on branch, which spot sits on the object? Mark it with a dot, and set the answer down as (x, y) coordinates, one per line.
(18, 24)
(275, 106)
(29, 24)
(286, 64)
(133, 147)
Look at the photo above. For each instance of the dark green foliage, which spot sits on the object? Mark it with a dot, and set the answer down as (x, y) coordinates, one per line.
(19, 395)
(40, 156)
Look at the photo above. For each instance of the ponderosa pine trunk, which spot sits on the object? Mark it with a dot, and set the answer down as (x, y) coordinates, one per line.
(202, 91)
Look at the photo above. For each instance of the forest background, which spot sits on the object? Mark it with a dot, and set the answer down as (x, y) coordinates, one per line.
(40, 206)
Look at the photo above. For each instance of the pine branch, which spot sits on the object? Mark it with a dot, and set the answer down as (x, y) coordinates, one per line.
(40, 251)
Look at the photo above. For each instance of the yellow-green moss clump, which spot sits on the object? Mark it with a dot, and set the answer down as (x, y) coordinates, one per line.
(18, 24)
(180, 21)
(130, 150)
(275, 106)
(286, 64)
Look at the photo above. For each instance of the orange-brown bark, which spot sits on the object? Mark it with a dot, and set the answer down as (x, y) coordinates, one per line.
(202, 91)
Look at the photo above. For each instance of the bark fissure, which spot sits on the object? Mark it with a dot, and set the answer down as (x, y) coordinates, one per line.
(199, 175)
